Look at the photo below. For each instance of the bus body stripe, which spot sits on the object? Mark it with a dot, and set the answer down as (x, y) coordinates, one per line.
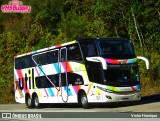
(37, 71)
(76, 89)
(50, 92)
(132, 88)
(70, 92)
(19, 91)
(89, 89)
(64, 65)
(69, 68)
(46, 92)
(56, 66)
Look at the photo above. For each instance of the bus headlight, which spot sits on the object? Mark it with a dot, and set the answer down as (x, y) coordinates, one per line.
(138, 89)
(105, 90)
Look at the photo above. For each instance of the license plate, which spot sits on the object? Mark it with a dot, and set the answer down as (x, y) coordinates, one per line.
(125, 98)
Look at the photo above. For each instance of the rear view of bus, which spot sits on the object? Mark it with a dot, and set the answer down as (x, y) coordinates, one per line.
(112, 65)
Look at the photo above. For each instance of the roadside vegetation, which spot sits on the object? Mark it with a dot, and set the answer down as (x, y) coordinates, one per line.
(57, 21)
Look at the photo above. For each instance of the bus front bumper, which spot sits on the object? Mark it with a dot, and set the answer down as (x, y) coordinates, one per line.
(111, 97)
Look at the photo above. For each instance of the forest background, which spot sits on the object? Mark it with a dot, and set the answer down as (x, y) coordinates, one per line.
(57, 21)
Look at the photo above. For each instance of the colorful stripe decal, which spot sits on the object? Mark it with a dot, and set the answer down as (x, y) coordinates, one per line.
(50, 92)
(76, 89)
(52, 47)
(112, 61)
(69, 68)
(57, 46)
(40, 69)
(64, 65)
(19, 91)
(37, 71)
(132, 88)
(56, 66)
(112, 88)
(46, 92)
(118, 89)
(89, 89)
(121, 61)
(67, 89)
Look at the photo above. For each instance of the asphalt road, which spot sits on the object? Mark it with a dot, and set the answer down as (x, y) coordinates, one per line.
(148, 107)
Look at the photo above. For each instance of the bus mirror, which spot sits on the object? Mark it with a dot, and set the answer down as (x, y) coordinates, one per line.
(144, 59)
(98, 59)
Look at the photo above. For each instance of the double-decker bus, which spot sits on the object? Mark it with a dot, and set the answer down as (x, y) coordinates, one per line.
(92, 70)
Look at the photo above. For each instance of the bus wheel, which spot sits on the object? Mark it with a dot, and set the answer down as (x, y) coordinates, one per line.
(84, 101)
(29, 102)
(36, 101)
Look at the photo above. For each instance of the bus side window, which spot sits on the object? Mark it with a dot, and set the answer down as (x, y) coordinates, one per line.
(73, 53)
(74, 79)
(39, 61)
(88, 50)
(55, 56)
(17, 63)
(91, 50)
(84, 50)
(54, 79)
(52, 57)
(41, 82)
(22, 63)
(63, 55)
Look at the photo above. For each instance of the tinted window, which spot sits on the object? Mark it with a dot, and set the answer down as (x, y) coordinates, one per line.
(46, 58)
(63, 79)
(73, 53)
(94, 70)
(43, 82)
(24, 62)
(88, 49)
(74, 79)
(52, 57)
(63, 55)
(122, 77)
(115, 47)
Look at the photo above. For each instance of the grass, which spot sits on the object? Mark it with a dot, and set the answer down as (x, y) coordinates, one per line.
(149, 87)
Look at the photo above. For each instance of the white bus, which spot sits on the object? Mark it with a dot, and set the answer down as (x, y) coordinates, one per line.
(92, 70)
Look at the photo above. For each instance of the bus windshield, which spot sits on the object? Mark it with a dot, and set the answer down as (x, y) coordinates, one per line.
(115, 48)
(126, 75)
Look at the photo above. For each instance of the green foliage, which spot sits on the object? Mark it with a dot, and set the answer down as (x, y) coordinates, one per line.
(57, 21)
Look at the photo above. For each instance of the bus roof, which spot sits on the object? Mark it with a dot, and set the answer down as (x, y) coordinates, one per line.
(72, 42)
(103, 39)
(45, 49)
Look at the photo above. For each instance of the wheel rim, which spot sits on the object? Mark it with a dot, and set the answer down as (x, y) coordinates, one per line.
(36, 101)
(29, 102)
(84, 100)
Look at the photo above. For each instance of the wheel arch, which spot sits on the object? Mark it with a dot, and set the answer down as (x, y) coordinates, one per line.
(34, 94)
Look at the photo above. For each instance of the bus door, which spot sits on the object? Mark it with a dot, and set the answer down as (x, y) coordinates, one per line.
(63, 74)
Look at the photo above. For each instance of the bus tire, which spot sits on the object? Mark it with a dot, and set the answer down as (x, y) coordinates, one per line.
(36, 101)
(84, 101)
(29, 102)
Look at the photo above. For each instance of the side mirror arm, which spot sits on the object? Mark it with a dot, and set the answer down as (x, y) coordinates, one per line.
(144, 59)
(98, 59)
